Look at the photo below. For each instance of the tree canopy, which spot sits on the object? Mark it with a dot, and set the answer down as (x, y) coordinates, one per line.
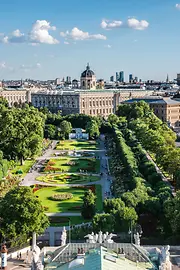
(21, 132)
(21, 214)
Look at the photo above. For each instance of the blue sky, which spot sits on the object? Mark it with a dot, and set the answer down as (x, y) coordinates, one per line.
(45, 39)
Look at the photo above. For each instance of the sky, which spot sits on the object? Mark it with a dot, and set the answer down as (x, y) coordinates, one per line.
(48, 39)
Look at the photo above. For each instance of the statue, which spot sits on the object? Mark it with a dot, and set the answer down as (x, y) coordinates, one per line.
(36, 261)
(92, 238)
(137, 239)
(99, 238)
(165, 263)
(108, 238)
(63, 237)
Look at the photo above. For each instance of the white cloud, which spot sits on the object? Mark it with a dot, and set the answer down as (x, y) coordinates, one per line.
(131, 23)
(77, 34)
(38, 65)
(40, 33)
(66, 42)
(137, 25)
(177, 6)
(106, 24)
(108, 46)
(17, 33)
(5, 39)
(3, 65)
(29, 67)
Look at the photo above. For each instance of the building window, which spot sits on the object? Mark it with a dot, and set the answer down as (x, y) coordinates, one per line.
(90, 112)
(96, 103)
(83, 104)
(97, 111)
(94, 112)
(90, 104)
(93, 103)
(106, 102)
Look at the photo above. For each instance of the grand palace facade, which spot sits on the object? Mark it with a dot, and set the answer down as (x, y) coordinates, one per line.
(87, 100)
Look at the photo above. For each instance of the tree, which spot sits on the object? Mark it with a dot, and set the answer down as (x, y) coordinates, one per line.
(50, 131)
(103, 222)
(65, 128)
(172, 213)
(93, 129)
(21, 214)
(113, 119)
(89, 205)
(21, 132)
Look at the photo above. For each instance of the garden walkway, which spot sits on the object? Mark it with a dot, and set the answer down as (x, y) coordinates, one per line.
(105, 182)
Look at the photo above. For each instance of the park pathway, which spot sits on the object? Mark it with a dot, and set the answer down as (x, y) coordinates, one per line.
(105, 178)
(104, 175)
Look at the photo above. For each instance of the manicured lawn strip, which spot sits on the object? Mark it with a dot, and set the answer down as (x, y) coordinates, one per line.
(76, 145)
(63, 164)
(24, 168)
(64, 221)
(44, 195)
(67, 179)
(99, 202)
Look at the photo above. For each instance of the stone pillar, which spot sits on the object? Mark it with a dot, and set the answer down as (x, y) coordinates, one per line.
(34, 241)
(4, 257)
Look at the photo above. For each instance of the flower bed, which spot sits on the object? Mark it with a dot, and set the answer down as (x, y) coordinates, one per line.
(61, 196)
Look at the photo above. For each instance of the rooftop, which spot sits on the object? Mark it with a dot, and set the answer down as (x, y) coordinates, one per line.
(85, 256)
(154, 100)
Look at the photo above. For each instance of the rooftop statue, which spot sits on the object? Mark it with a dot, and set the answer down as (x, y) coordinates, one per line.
(100, 238)
(165, 263)
(63, 237)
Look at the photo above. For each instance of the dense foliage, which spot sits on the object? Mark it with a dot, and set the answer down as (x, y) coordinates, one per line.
(21, 214)
(89, 205)
(21, 132)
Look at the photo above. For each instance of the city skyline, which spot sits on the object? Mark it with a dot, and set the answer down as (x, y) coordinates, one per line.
(49, 39)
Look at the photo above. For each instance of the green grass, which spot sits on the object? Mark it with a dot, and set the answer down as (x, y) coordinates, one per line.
(90, 164)
(24, 168)
(67, 179)
(76, 145)
(99, 202)
(64, 221)
(44, 195)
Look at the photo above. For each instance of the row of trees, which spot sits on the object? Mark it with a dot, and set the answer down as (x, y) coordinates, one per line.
(154, 135)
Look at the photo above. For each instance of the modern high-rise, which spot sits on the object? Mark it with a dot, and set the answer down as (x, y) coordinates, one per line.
(136, 79)
(121, 76)
(68, 79)
(117, 76)
(112, 79)
(130, 78)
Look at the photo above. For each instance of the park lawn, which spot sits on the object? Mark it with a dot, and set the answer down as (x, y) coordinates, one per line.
(67, 178)
(99, 202)
(64, 221)
(24, 168)
(91, 165)
(44, 195)
(76, 145)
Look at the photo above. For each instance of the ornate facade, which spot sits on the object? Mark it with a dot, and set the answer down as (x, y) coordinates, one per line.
(99, 102)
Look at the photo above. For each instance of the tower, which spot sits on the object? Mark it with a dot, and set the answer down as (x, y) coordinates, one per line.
(88, 79)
